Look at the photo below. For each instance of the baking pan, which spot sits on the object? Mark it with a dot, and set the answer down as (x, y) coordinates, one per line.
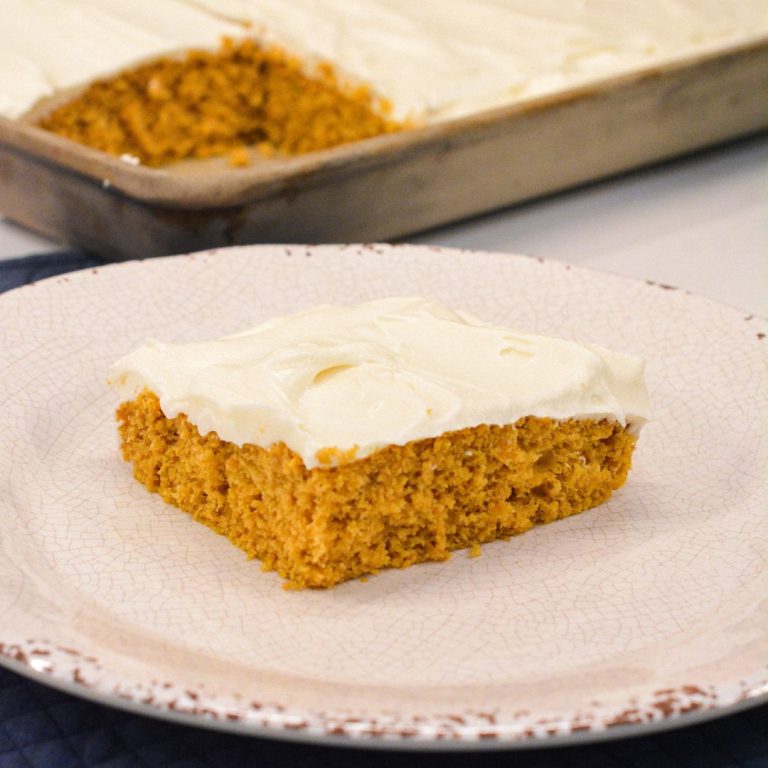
(389, 186)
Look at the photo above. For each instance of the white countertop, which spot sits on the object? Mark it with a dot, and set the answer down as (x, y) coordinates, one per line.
(699, 223)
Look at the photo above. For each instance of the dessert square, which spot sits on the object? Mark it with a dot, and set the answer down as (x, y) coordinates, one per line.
(340, 441)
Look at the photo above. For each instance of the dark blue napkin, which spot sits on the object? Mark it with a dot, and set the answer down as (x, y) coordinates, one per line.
(43, 728)
(29, 269)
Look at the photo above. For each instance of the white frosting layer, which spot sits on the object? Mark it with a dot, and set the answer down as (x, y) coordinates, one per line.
(432, 60)
(443, 59)
(50, 45)
(376, 374)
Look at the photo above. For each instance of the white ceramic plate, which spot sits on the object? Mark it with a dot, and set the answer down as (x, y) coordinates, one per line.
(646, 612)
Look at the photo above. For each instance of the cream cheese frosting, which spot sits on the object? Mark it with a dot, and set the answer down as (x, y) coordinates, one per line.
(381, 373)
(48, 46)
(430, 60)
(444, 59)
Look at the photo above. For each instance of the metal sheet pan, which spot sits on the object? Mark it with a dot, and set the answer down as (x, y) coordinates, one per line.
(389, 186)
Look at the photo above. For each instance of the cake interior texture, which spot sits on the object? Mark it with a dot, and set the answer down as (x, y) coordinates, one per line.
(401, 505)
(208, 103)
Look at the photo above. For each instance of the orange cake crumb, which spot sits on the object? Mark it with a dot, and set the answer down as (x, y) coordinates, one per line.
(211, 103)
(400, 505)
(239, 157)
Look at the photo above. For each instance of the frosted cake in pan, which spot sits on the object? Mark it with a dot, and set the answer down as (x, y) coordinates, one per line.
(162, 80)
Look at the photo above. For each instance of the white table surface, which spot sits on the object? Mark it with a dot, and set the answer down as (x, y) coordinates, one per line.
(699, 223)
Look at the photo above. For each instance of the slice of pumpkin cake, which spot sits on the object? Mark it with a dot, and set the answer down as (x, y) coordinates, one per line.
(342, 440)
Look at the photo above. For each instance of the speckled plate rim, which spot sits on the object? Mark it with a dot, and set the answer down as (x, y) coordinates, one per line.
(32, 661)
(77, 672)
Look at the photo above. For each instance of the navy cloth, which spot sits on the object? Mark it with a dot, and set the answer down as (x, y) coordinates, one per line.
(44, 728)
(28, 269)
